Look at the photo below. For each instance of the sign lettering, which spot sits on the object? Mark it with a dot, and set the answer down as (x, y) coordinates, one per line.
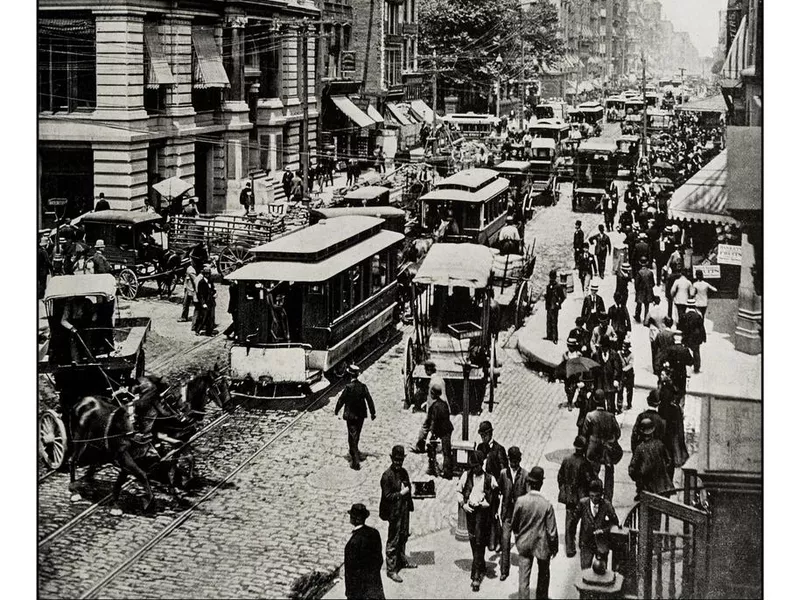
(709, 271)
(729, 255)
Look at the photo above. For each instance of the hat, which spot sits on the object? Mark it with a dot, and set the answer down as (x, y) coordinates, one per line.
(358, 510)
(599, 397)
(643, 260)
(579, 442)
(642, 236)
(594, 287)
(653, 399)
(647, 426)
(99, 244)
(398, 452)
(514, 453)
(206, 268)
(536, 475)
(436, 389)
(553, 273)
(571, 341)
(626, 266)
(476, 458)
(485, 427)
(353, 369)
(596, 486)
(429, 364)
(626, 342)
(602, 316)
(691, 302)
(509, 219)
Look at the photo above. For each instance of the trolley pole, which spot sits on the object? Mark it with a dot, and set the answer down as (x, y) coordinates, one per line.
(644, 111)
(304, 154)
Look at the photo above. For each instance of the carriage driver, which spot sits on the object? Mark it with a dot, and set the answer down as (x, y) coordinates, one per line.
(78, 315)
(146, 407)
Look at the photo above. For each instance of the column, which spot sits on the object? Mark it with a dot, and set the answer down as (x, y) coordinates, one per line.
(748, 322)
(233, 55)
(120, 171)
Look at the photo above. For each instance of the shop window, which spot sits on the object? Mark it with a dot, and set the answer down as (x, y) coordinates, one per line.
(67, 56)
(208, 99)
(270, 65)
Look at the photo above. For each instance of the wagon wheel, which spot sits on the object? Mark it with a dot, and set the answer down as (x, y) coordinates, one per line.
(128, 284)
(492, 376)
(408, 372)
(52, 439)
(522, 305)
(233, 257)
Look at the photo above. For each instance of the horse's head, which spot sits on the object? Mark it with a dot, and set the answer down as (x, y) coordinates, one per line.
(213, 384)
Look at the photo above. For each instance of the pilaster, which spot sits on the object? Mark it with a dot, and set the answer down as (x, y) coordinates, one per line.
(747, 338)
(120, 172)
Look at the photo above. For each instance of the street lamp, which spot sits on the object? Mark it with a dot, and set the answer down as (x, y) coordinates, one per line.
(498, 63)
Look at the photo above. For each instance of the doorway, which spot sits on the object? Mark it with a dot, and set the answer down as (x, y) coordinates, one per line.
(203, 176)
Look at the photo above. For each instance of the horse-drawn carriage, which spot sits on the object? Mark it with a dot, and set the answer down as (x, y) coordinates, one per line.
(96, 361)
(455, 319)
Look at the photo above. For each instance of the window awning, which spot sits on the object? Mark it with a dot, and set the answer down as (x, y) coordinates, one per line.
(373, 114)
(158, 72)
(355, 114)
(737, 55)
(208, 69)
(56, 26)
(397, 114)
(423, 111)
(712, 104)
(704, 197)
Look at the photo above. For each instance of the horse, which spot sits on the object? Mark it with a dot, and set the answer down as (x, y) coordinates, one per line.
(103, 432)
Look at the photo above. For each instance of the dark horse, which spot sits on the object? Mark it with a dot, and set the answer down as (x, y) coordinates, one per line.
(103, 432)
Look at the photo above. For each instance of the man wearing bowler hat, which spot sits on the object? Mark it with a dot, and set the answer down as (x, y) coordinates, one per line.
(496, 458)
(601, 430)
(363, 558)
(574, 477)
(534, 526)
(554, 297)
(512, 486)
(355, 399)
(395, 508)
(597, 516)
(650, 463)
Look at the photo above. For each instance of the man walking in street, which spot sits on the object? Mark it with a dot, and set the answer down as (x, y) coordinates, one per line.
(694, 331)
(102, 203)
(189, 291)
(355, 399)
(534, 527)
(597, 516)
(203, 294)
(654, 321)
(601, 430)
(439, 424)
(577, 242)
(246, 198)
(512, 486)
(396, 507)
(650, 462)
(643, 285)
(619, 318)
(207, 298)
(593, 305)
(663, 340)
(434, 380)
(554, 297)
(675, 359)
(586, 266)
(641, 250)
(363, 558)
(623, 280)
(574, 477)
(681, 290)
(286, 183)
(609, 374)
(628, 375)
(602, 248)
(477, 492)
(496, 458)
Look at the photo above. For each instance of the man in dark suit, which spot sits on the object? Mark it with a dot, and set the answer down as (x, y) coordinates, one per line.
(577, 242)
(396, 507)
(363, 558)
(512, 486)
(600, 429)
(574, 477)
(623, 279)
(496, 458)
(653, 401)
(609, 374)
(597, 516)
(694, 331)
(355, 399)
(554, 297)
(650, 463)
(602, 248)
(641, 250)
(593, 305)
(203, 300)
(643, 286)
(678, 357)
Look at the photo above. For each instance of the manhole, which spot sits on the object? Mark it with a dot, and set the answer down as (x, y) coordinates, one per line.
(336, 477)
(557, 456)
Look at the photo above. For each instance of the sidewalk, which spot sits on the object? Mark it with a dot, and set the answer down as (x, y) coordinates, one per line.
(725, 371)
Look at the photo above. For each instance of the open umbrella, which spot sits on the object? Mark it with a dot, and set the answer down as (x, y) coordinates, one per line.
(172, 187)
(661, 164)
(575, 366)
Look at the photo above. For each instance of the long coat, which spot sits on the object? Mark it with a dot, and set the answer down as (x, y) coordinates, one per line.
(674, 436)
(599, 428)
(574, 477)
(694, 328)
(659, 434)
(363, 559)
(610, 370)
(511, 489)
(395, 506)
(644, 284)
(649, 465)
(534, 525)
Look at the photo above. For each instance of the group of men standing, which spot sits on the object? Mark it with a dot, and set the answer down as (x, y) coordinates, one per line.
(199, 292)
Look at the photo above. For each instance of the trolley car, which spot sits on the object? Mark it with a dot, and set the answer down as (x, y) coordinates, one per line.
(595, 168)
(452, 324)
(308, 302)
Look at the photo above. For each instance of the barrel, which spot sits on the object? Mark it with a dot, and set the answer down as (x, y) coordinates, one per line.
(510, 265)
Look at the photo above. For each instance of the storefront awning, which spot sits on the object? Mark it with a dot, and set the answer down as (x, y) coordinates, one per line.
(422, 110)
(398, 114)
(355, 114)
(208, 69)
(737, 55)
(703, 198)
(373, 114)
(712, 104)
(158, 71)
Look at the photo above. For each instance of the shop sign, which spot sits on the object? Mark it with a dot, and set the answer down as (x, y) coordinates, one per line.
(729, 255)
(708, 271)
(348, 61)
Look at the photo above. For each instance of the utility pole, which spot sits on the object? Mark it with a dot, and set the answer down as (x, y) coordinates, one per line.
(522, 91)
(644, 111)
(304, 154)
(435, 76)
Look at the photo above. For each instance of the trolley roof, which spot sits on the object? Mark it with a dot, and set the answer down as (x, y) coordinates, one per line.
(120, 216)
(468, 179)
(381, 212)
(325, 239)
(597, 146)
(460, 195)
(314, 272)
(368, 192)
(457, 265)
(71, 286)
(514, 165)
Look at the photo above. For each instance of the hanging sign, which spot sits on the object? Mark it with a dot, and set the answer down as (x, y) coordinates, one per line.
(348, 61)
(729, 255)
(709, 271)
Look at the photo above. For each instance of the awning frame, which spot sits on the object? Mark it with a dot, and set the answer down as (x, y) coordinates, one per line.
(209, 71)
(158, 71)
(352, 112)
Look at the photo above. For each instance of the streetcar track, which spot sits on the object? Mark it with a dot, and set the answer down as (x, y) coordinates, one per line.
(186, 514)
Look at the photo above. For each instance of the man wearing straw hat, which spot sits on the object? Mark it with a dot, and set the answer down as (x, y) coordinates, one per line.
(355, 399)
(101, 264)
(363, 558)
(593, 305)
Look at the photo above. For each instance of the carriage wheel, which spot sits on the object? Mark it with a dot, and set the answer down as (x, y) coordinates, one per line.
(408, 372)
(128, 284)
(522, 305)
(384, 335)
(232, 258)
(492, 376)
(52, 439)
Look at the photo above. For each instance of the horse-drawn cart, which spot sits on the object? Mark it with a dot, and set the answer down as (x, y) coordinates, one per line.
(452, 315)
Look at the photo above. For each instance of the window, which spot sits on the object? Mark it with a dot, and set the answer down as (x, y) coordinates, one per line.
(393, 19)
(67, 57)
(155, 100)
(123, 236)
(393, 67)
(206, 99)
(379, 272)
(270, 64)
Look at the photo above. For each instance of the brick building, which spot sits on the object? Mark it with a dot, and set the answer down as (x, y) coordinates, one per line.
(135, 91)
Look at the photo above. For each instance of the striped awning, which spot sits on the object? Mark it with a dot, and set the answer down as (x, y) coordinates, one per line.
(397, 114)
(423, 110)
(373, 114)
(737, 58)
(208, 69)
(66, 26)
(703, 198)
(158, 71)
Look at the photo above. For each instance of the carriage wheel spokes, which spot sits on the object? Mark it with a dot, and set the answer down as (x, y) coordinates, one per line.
(128, 284)
(408, 372)
(232, 258)
(52, 439)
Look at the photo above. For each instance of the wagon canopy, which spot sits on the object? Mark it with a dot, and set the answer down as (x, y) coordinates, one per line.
(456, 265)
(70, 286)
